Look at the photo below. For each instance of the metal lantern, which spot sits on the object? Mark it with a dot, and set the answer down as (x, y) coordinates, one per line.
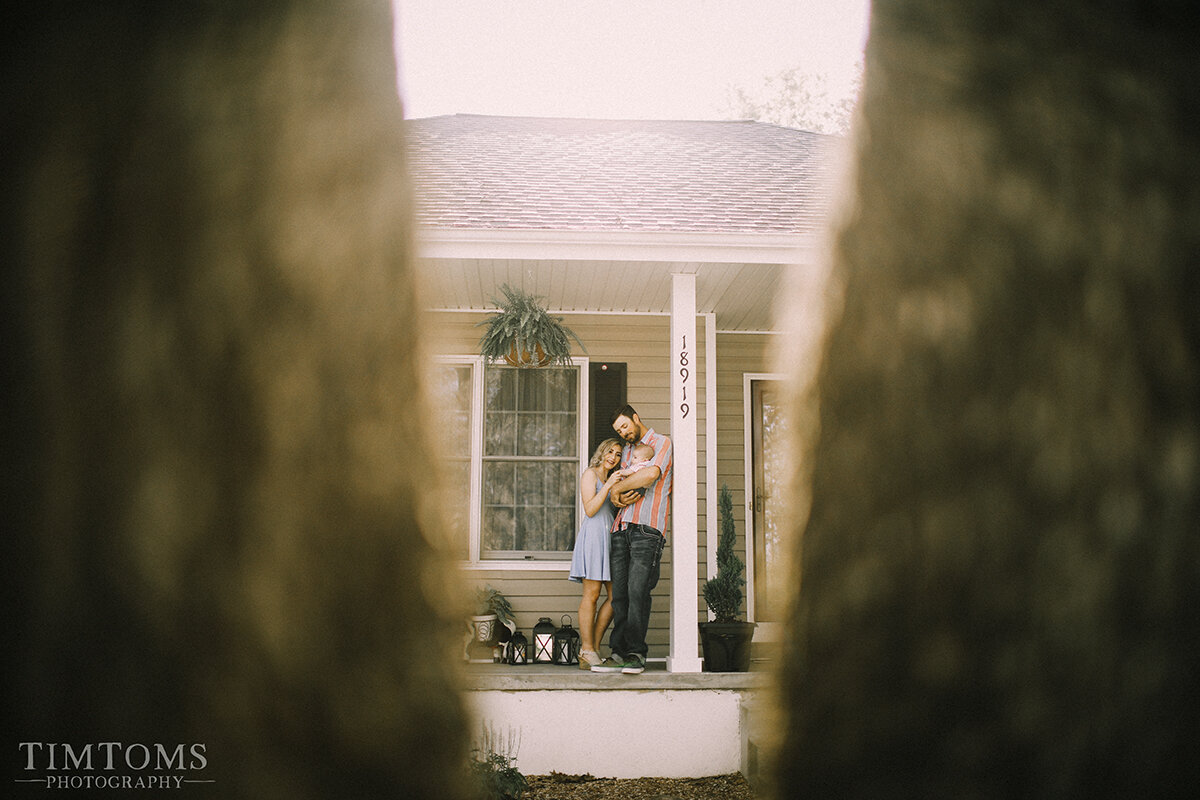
(500, 648)
(517, 650)
(543, 641)
(566, 643)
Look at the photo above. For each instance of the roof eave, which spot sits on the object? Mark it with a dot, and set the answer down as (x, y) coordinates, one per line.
(609, 245)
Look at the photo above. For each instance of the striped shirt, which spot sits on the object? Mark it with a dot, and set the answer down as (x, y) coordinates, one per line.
(653, 508)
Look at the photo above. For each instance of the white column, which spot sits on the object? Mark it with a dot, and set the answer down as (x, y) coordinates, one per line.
(685, 637)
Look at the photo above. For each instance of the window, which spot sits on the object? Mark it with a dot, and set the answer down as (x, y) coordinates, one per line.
(514, 443)
(530, 456)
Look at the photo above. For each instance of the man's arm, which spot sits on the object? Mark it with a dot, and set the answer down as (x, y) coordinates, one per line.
(624, 492)
(622, 500)
(638, 480)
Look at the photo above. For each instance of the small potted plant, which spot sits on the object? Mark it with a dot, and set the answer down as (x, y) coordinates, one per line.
(523, 334)
(491, 607)
(726, 640)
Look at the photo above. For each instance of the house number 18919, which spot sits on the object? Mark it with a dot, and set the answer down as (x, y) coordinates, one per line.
(684, 374)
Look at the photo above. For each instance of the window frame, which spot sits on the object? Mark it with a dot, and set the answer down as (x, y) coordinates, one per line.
(474, 560)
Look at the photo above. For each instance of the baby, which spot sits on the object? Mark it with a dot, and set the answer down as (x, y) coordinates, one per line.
(643, 456)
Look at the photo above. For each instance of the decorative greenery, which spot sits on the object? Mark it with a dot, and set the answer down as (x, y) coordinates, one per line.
(496, 778)
(723, 594)
(523, 324)
(495, 774)
(489, 600)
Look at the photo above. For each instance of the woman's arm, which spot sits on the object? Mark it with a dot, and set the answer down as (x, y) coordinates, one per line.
(592, 498)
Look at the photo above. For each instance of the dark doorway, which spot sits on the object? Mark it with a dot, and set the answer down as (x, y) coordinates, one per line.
(606, 393)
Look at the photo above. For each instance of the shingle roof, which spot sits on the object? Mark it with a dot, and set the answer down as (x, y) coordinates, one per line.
(473, 171)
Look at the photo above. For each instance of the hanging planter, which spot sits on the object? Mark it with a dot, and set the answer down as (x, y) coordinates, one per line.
(525, 358)
(523, 334)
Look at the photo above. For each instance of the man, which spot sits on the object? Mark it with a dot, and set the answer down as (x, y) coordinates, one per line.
(643, 502)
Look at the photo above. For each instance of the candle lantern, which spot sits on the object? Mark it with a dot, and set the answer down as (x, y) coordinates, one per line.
(543, 642)
(566, 643)
(517, 650)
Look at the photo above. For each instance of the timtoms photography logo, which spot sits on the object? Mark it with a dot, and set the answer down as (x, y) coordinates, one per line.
(112, 765)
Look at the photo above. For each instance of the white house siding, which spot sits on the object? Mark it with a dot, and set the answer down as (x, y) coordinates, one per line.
(642, 342)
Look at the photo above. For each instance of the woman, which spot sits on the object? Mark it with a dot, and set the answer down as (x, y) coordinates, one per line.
(589, 564)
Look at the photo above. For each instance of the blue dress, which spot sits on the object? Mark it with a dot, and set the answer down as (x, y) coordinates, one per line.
(590, 559)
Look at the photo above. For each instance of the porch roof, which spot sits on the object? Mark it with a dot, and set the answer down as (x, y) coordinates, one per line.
(595, 215)
(487, 172)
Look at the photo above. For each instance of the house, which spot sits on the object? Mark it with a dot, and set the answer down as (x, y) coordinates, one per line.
(662, 245)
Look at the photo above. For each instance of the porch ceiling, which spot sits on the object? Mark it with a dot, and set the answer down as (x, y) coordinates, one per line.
(741, 295)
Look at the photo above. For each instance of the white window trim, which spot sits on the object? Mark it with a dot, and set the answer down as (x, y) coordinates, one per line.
(475, 514)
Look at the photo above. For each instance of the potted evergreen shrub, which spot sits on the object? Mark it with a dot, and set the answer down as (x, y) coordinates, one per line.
(726, 640)
(523, 334)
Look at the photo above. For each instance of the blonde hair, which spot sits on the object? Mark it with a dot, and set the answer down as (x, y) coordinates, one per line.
(598, 456)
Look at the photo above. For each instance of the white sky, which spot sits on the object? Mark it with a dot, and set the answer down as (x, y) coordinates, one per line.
(622, 59)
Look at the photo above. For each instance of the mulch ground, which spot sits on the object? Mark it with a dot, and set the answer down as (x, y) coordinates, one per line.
(584, 787)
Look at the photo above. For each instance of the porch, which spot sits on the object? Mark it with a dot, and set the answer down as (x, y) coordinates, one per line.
(656, 724)
(666, 246)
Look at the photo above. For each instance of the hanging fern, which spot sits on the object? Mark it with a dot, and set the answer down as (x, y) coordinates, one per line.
(523, 326)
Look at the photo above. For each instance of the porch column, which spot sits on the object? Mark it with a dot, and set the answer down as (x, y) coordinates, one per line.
(683, 655)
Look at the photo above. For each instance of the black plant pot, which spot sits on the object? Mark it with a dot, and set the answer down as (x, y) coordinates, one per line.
(726, 645)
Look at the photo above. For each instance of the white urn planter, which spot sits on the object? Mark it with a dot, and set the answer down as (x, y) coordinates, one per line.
(484, 627)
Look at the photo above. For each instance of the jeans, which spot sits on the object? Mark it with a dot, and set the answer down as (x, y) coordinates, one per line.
(635, 554)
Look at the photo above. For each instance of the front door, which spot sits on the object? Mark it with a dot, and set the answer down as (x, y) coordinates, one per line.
(768, 436)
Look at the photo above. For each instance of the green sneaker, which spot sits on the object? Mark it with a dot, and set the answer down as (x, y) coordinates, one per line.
(633, 666)
(613, 663)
